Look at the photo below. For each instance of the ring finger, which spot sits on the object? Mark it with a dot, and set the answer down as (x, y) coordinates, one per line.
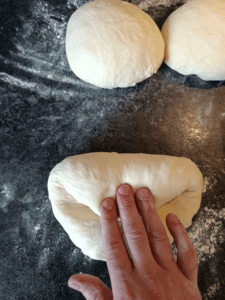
(158, 239)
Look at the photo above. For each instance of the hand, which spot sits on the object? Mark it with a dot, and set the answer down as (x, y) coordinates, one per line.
(153, 273)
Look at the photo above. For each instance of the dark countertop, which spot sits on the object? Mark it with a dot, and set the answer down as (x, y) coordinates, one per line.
(47, 114)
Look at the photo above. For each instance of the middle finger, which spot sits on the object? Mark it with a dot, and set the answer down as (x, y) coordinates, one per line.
(157, 236)
(134, 229)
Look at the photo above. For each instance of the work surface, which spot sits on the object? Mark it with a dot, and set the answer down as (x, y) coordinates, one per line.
(47, 114)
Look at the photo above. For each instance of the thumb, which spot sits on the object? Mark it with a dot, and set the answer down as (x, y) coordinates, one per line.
(90, 286)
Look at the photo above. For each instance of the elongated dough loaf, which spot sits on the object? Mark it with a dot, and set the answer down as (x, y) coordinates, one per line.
(78, 185)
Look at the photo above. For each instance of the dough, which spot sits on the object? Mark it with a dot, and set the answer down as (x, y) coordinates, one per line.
(194, 35)
(113, 43)
(78, 185)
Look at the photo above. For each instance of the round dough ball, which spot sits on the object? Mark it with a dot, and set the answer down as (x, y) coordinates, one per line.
(78, 185)
(113, 43)
(194, 35)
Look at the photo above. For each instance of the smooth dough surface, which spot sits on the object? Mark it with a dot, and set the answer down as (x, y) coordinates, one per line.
(78, 185)
(113, 43)
(194, 36)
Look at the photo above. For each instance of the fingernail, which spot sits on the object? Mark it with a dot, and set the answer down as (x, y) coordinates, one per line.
(74, 285)
(174, 218)
(143, 194)
(124, 189)
(108, 203)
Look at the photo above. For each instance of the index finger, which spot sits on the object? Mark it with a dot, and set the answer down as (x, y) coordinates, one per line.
(113, 244)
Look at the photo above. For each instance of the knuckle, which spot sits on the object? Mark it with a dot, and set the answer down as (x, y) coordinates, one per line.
(126, 203)
(114, 247)
(158, 235)
(136, 233)
(110, 217)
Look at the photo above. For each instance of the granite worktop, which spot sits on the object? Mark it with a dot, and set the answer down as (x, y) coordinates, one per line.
(47, 114)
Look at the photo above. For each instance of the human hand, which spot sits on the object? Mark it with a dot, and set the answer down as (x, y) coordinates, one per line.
(153, 273)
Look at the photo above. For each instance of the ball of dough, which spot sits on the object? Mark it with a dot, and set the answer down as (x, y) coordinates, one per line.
(113, 43)
(194, 35)
(78, 185)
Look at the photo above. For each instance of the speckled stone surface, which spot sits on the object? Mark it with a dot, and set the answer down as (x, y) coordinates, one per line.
(47, 114)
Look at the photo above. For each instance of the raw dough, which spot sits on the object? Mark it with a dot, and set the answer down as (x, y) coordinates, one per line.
(113, 43)
(194, 35)
(78, 185)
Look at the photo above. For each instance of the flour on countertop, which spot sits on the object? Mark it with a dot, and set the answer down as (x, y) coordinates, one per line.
(144, 5)
(207, 183)
(207, 233)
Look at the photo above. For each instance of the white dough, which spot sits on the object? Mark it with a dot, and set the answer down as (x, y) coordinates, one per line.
(78, 185)
(113, 43)
(194, 35)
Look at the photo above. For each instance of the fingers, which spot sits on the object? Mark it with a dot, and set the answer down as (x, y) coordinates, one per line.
(90, 286)
(134, 229)
(187, 259)
(114, 246)
(156, 233)
(147, 239)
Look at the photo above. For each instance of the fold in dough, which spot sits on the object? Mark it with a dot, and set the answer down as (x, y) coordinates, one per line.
(78, 185)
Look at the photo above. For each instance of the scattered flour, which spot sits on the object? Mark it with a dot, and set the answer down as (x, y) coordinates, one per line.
(207, 233)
